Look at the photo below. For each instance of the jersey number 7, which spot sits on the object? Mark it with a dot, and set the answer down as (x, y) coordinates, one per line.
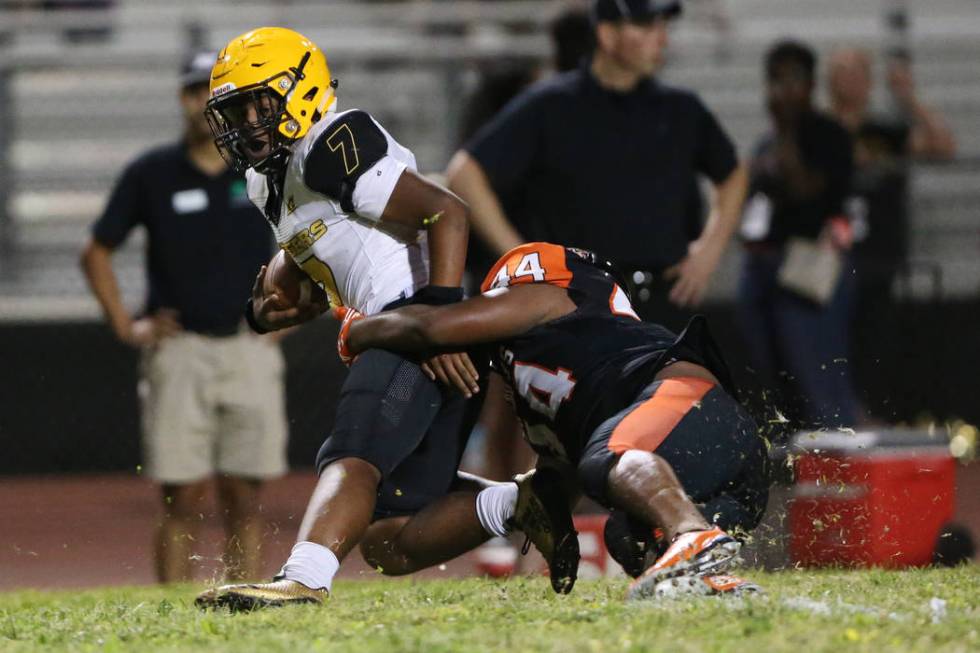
(343, 139)
(322, 274)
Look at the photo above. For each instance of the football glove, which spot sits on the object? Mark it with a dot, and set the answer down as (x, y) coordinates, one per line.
(346, 316)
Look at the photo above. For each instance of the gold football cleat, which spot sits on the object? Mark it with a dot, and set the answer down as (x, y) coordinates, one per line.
(246, 597)
(542, 513)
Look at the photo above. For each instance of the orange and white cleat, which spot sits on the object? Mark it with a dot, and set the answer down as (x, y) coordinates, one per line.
(690, 554)
(711, 585)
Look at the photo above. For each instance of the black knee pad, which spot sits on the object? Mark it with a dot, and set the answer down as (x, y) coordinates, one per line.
(385, 409)
(414, 431)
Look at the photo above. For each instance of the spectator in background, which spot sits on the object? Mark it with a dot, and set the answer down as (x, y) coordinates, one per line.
(879, 205)
(572, 39)
(498, 83)
(505, 451)
(604, 157)
(795, 291)
(211, 392)
(572, 42)
(883, 146)
(849, 84)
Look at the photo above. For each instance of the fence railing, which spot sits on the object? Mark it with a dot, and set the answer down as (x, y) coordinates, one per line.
(73, 110)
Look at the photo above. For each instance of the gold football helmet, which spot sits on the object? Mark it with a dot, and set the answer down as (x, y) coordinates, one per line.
(268, 87)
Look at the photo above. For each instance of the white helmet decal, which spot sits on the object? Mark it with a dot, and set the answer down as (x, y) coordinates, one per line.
(224, 88)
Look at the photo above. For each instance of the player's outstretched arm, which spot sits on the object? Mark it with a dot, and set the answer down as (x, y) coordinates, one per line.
(419, 203)
(496, 315)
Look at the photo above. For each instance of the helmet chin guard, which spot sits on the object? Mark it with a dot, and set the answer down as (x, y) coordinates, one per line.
(247, 125)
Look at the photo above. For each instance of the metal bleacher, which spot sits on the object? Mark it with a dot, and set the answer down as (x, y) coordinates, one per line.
(81, 108)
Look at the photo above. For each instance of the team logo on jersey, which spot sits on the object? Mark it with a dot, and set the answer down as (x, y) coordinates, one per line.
(290, 205)
(302, 241)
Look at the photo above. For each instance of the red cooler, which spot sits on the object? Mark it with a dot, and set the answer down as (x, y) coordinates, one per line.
(869, 498)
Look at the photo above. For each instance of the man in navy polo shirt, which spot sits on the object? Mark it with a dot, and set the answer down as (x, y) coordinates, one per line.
(211, 392)
(605, 158)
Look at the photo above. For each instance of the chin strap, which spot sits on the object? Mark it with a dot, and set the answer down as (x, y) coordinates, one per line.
(329, 104)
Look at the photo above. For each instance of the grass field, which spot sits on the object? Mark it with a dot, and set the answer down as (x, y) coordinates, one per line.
(920, 610)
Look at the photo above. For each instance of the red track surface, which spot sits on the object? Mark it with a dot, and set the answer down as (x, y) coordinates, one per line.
(85, 531)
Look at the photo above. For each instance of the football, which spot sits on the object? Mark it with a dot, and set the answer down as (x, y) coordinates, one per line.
(293, 285)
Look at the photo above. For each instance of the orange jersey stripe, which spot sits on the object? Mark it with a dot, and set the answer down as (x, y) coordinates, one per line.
(529, 263)
(653, 420)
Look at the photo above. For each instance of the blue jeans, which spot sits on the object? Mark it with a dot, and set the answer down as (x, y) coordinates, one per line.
(786, 333)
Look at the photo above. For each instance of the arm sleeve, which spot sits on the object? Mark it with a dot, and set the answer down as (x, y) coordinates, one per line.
(506, 146)
(715, 154)
(123, 210)
(349, 162)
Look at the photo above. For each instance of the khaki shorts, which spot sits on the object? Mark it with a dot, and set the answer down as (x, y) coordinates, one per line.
(213, 405)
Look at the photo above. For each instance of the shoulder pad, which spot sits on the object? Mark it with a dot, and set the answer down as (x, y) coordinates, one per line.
(344, 151)
(529, 263)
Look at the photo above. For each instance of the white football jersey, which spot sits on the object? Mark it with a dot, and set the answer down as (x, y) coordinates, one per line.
(336, 186)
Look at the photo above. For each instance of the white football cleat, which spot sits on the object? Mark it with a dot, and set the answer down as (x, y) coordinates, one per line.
(716, 585)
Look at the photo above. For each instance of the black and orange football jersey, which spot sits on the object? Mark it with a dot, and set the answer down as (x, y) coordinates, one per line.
(572, 373)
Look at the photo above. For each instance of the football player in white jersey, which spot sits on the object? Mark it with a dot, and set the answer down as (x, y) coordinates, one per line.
(345, 201)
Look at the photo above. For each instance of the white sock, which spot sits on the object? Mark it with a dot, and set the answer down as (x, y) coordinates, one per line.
(494, 506)
(311, 564)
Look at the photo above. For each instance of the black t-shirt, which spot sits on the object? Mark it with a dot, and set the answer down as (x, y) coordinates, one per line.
(577, 164)
(205, 239)
(825, 148)
(496, 88)
(573, 373)
(880, 187)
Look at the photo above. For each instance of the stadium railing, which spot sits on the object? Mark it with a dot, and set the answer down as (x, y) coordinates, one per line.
(79, 110)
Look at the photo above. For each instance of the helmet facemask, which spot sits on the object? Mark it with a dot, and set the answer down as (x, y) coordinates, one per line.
(251, 125)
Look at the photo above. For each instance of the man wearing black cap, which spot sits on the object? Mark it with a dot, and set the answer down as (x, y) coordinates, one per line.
(605, 158)
(211, 392)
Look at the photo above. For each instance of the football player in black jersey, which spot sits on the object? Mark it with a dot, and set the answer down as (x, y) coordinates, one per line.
(644, 418)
